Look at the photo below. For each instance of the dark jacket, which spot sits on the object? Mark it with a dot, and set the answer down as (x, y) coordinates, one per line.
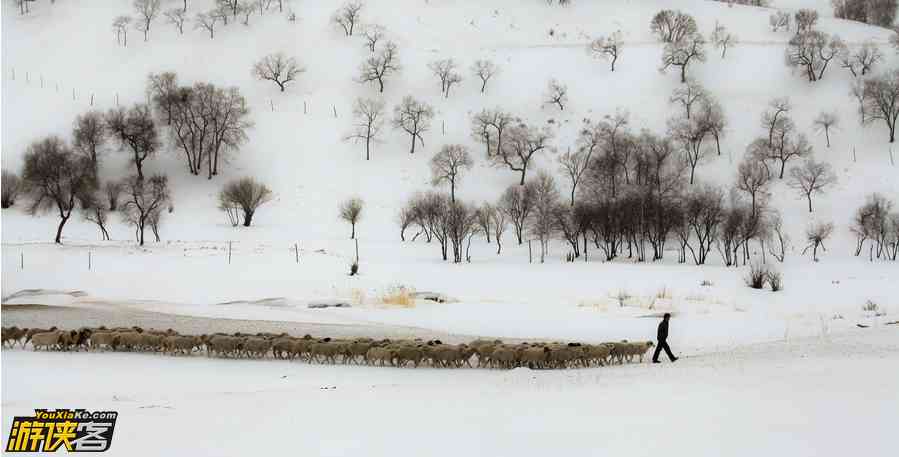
(663, 330)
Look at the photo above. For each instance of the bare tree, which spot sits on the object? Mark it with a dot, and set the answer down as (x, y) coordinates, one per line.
(863, 60)
(208, 122)
(485, 219)
(207, 22)
(351, 212)
(573, 166)
(688, 94)
(10, 187)
(379, 66)
(779, 20)
(113, 190)
(373, 33)
(857, 91)
(485, 70)
(162, 89)
(488, 127)
(517, 202)
(499, 224)
(672, 26)
(606, 47)
(826, 122)
(121, 24)
(247, 194)
(703, 213)
(812, 51)
(96, 212)
(711, 114)
(413, 117)
(723, 39)
(135, 130)
(753, 179)
(811, 178)
(542, 220)
(278, 68)
(682, 53)
(461, 224)
(449, 164)
(806, 20)
(55, 177)
(176, 17)
(779, 238)
(556, 94)
(782, 150)
(145, 201)
(522, 143)
(369, 117)
(246, 8)
(816, 234)
(147, 11)
(777, 118)
(88, 135)
(347, 16)
(881, 96)
(447, 71)
(689, 133)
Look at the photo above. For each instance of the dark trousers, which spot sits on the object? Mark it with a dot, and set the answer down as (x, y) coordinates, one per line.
(662, 345)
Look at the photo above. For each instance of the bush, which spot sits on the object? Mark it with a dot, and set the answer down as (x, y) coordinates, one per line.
(400, 296)
(775, 281)
(757, 276)
(11, 186)
(244, 195)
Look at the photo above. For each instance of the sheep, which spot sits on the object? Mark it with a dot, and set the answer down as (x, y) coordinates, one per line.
(326, 350)
(407, 353)
(48, 340)
(379, 356)
(150, 341)
(130, 340)
(180, 344)
(29, 334)
(257, 347)
(223, 345)
(534, 356)
(13, 335)
(104, 339)
(281, 347)
(632, 350)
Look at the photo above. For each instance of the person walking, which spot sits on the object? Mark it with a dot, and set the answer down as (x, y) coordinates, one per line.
(663, 340)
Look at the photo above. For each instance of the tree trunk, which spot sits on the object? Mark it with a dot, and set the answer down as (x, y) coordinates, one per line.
(827, 135)
(247, 218)
(62, 223)
(353, 234)
(809, 196)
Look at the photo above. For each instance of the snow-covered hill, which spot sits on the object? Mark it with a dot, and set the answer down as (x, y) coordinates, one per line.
(61, 56)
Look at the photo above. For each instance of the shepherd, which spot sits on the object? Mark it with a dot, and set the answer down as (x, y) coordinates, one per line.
(663, 340)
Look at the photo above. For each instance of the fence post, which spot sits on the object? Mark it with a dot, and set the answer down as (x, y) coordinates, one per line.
(21, 260)
(116, 99)
(296, 249)
(272, 103)
(304, 106)
(530, 253)
(92, 99)
(229, 253)
(88, 260)
(335, 110)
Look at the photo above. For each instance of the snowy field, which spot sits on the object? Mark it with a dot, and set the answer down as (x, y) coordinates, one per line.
(812, 397)
(810, 370)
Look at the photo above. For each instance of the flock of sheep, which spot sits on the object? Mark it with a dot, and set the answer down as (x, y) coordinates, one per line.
(383, 352)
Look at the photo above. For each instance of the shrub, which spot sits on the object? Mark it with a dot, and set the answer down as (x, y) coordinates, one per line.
(757, 276)
(400, 296)
(775, 280)
(11, 187)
